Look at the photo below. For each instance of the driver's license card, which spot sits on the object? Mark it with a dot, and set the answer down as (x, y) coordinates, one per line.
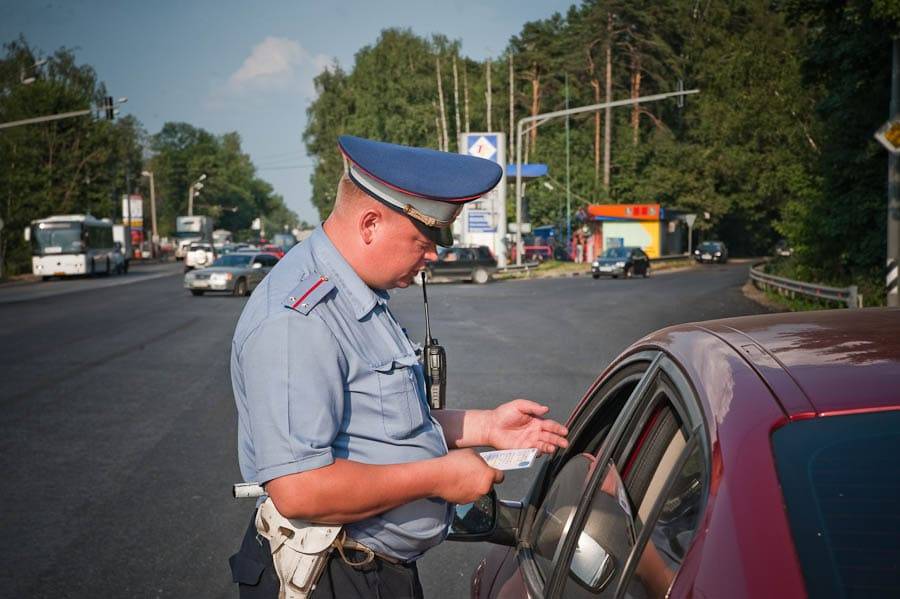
(510, 459)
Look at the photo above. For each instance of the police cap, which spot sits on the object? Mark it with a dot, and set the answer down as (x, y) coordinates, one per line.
(428, 186)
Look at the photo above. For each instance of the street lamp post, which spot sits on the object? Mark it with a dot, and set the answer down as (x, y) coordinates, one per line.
(155, 235)
(539, 119)
(196, 185)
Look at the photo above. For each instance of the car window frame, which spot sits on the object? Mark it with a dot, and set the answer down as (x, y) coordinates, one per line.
(633, 413)
(531, 574)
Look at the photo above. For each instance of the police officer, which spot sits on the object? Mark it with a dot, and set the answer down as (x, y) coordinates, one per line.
(332, 414)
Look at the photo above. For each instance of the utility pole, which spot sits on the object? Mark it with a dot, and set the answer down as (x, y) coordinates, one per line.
(893, 215)
(568, 183)
(155, 235)
(487, 91)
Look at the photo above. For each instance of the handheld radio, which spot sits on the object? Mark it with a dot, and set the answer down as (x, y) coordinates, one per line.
(435, 359)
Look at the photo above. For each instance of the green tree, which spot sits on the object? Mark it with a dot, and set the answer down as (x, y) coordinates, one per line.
(75, 165)
(839, 232)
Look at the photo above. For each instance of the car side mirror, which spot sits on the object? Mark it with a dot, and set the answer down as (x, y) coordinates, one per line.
(486, 519)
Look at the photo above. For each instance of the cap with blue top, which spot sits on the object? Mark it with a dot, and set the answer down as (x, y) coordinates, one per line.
(430, 187)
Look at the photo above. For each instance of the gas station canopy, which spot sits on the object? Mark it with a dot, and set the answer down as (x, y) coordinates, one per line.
(529, 171)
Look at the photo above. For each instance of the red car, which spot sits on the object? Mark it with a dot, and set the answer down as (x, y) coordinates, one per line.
(748, 457)
(275, 250)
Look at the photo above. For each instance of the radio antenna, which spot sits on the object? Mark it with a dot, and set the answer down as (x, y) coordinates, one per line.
(428, 340)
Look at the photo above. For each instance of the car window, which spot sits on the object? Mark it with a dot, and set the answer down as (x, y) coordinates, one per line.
(839, 479)
(484, 253)
(557, 509)
(268, 260)
(585, 438)
(646, 507)
(673, 530)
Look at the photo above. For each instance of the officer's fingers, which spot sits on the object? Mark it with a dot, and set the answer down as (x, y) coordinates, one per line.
(554, 427)
(555, 440)
(498, 476)
(549, 448)
(530, 407)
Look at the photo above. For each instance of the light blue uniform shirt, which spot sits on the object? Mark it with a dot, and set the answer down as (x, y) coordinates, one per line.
(322, 370)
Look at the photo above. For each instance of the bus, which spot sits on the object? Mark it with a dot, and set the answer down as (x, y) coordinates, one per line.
(71, 244)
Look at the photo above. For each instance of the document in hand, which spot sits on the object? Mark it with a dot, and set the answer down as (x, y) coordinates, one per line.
(510, 459)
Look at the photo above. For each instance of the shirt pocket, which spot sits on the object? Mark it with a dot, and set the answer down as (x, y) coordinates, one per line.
(401, 408)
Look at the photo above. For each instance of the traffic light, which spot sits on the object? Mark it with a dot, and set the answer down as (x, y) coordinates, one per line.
(108, 107)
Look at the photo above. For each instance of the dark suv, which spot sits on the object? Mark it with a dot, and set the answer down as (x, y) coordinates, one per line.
(476, 263)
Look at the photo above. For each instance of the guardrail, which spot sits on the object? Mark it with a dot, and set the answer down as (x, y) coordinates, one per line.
(515, 267)
(670, 258)
(846, 295)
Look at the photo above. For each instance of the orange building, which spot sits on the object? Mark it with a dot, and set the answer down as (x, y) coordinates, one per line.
(647, 226)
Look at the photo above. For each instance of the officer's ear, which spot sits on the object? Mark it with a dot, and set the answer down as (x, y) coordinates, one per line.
(370, 222)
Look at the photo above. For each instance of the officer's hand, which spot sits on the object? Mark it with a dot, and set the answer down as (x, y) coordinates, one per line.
(465, 476)
(520, 423)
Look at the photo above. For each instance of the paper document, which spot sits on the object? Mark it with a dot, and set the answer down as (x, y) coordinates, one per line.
(510, 459)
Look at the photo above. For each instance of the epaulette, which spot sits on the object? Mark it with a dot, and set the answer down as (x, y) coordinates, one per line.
(312, 289)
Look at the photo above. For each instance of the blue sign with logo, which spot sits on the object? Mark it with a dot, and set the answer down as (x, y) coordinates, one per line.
(484, 146)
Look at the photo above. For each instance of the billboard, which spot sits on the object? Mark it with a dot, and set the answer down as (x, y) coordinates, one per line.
(483, 221)
(133, 211)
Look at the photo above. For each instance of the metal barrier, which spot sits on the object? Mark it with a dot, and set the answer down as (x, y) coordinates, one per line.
(514, 267)
(846, 295)
(670, 258)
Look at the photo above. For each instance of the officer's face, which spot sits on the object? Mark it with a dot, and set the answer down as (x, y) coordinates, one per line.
(402, 249)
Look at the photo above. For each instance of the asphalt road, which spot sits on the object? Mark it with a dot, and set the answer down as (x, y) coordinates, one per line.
(117, 442)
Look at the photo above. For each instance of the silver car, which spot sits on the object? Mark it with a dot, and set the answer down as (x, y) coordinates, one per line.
(238, 273)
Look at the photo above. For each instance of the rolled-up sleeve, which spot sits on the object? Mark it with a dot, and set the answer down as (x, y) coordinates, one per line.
(293, 381)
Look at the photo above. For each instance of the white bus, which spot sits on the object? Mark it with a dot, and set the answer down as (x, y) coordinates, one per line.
(71, 244)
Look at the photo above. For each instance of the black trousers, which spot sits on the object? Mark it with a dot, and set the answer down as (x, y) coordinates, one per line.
(252, 568)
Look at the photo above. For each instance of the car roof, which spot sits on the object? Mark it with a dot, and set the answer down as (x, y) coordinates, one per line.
(841, 360)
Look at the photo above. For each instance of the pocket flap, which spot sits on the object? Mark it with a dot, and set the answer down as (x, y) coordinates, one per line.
(402, 361)
(245, 570)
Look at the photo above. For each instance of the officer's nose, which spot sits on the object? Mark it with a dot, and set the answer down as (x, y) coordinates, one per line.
(431, 253)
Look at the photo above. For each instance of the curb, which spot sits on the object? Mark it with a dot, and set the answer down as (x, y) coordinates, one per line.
(587, 273)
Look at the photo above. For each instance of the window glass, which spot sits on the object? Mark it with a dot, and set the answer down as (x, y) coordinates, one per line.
(619, 510)
(842, 491)
(566, 488)
(557, 510)
(672, 532)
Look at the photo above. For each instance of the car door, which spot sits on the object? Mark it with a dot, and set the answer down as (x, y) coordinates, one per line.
(258, 272)
(618, 510)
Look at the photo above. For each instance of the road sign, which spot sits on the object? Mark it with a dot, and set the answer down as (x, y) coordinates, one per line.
(480, 220)
(484, 146)
(889, 135)
(689, 219)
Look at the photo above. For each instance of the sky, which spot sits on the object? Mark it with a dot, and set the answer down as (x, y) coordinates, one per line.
(227, 65)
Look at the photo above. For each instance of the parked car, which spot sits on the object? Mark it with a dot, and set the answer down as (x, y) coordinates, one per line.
(621, 261)
(711, 251)
(746, 457)
(238, 273)
(476, 263)
(275, 250)
(199, 255)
